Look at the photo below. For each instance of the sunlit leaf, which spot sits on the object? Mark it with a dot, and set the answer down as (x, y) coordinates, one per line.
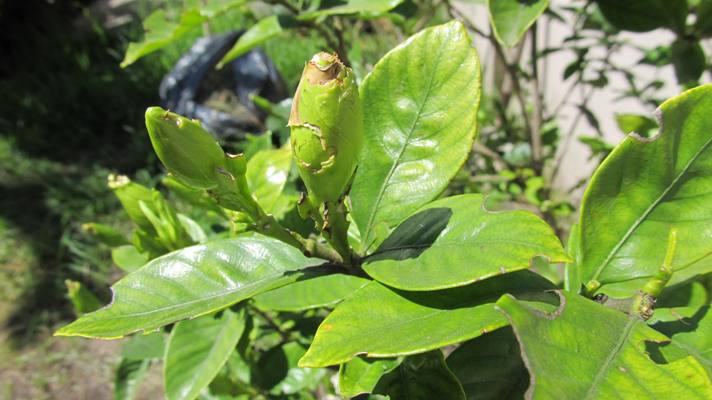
(587, 351)
(320, 291)
(372, 322)
(421, 121)
(196, 351)
(512, 18)
(455, 241)
(191, 282)
(642, 190)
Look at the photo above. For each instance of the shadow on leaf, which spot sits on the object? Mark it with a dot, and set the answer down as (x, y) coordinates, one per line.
(415, 235)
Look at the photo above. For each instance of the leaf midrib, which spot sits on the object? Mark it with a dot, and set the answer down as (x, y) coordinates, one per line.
(384, 184)
(390, 327)
(219, 338)
(649, 210)
(594, 385)
(102, 334)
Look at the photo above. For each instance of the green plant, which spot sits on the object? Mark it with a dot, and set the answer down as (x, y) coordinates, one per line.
(409, 272)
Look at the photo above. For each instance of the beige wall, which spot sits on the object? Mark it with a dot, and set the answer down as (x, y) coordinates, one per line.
(603, 103)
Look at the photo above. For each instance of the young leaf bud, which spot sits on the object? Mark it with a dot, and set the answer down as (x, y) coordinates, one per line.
(326, 127)
(185, 148)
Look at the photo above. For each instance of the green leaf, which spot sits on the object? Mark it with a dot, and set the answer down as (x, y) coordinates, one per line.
(128, 258)
(213, 9)
(191, 282)
(645, 15)
(361, 375)
(368, 7)
(373, 321)
(144, 347)
(703, 24)
(160, 32)
(689, 60)
(512, 18)
(277, 371)
(490, 367)
(193, 229)
(196, 351)
(679, 302)
(421, 121)
(262, 31)
(455, 241)
(690, 336)
(129, 375)
(105, 234)
(584, 350)
(131, 194)
(421, 377)
(267, 173)
(639, 124)
(320, 291)
(572, 275)
(644, 188)
(82, 299)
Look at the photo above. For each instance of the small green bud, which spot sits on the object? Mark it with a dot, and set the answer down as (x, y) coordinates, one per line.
(592, 286)
(130, 194)
(83, 299)
(326, 127)
(105, 234)
(186, 149)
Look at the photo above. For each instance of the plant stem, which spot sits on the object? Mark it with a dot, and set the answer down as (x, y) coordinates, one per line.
(335, 230)
(538, 114)
(644, 301)
(232, 193)
(312, 247)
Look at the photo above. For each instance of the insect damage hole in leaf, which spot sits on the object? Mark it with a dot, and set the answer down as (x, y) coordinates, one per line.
(569, 357)
(642, 189)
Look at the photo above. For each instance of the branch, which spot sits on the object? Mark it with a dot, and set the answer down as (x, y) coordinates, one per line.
(538, 114)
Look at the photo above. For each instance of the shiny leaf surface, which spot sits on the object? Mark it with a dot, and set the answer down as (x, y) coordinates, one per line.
(191, 282)
(455, 241)
(267, 173)
(372, 322)
(644, 188)
(570, 357)
(196, 351)
(421, 121)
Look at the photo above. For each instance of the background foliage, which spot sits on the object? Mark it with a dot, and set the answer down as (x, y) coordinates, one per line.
(76, 116)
